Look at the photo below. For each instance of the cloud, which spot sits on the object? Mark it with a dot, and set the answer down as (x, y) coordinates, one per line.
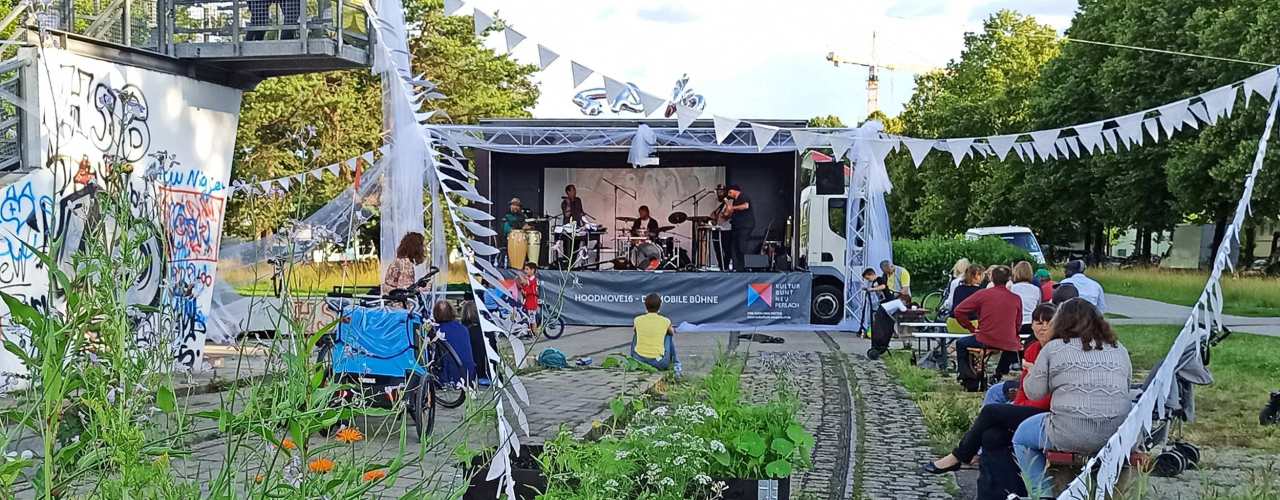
(1038, 9)
(607, 13)
(667, 13)
(917, 8)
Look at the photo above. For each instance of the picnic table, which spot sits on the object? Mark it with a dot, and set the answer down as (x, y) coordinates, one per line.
(927, 335)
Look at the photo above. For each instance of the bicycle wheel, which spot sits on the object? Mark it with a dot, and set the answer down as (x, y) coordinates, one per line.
(554, 326)
(422, 405)
(450, 395)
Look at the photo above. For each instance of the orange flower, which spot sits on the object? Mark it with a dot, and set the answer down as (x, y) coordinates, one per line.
(320, 464)
(287, 444)
(257, 478)
(374, 475)
(349, 435)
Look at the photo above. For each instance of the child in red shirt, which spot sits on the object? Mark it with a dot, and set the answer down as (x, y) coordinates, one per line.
(529, 290)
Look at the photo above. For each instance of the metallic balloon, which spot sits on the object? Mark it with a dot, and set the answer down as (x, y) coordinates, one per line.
(685, 96)
(593, 101)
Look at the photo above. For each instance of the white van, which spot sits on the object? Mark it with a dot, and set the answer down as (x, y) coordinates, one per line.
(1019, 236)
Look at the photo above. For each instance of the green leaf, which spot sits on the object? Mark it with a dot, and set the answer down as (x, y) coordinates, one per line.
(610, 362)
(617, 406)
(778, 468)
(783, 447)
(22, 312)
(722, 457)
(18, 351)
(750, 443)
(799, 436)
(164, 398)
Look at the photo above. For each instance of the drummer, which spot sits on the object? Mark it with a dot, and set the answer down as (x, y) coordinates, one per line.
(513, 219)
(644, 221)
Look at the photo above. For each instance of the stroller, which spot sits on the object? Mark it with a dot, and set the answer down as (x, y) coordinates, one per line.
(1176, 455)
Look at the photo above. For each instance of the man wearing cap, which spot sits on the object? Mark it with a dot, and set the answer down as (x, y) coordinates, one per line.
(513, 219)
(1088, 289)
(743, 218)
(1046, 285)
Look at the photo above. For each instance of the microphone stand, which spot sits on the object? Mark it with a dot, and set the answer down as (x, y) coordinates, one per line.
(616, 190)
(695, 198)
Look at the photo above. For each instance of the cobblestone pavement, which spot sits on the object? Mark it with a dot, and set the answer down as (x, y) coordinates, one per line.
(892, 444)
(1224, 473)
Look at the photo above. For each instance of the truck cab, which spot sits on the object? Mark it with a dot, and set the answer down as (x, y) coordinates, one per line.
(821, 248)
(1018, 236)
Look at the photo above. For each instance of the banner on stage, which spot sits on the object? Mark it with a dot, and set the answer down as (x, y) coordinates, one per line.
(613, 298)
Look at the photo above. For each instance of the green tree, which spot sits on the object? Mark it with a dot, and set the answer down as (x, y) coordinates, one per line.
(985, 92)
(829, 121)
(344, 110)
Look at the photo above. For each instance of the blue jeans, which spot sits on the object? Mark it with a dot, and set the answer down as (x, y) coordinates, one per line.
(1007, 358)
(668, 358)
(1029, 443)
(996, 394)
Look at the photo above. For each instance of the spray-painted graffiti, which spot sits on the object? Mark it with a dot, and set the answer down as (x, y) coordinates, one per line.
(193, 221)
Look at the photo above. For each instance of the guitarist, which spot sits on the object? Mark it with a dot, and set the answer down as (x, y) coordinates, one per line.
(720, 218)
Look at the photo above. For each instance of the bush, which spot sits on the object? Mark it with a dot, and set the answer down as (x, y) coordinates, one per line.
(930, 259)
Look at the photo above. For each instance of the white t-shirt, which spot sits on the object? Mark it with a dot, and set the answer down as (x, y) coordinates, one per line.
(1030, 295)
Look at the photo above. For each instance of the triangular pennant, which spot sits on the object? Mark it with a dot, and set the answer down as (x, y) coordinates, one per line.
(1262, 83)
(613, 89)
(1153, 129)
(1110, 137)
(1002, 143)
(546, 57)
(1061, 150)
(264, 186)
(1172, 116)
(982, 149)
(1200, 111)
(1043, 142)
(283, 182)
(333, 169)
(840, 145)
(451, 6)
(482, 21)
(513, 38)
(1090, 135)
(367, 156)
(650, 102)
(763, 134)
(1073, 144)
(959, 148)
(882, 147)
(299, 178)
(803, 139)
(1130, 127)
(685, 116)
(1045, 152)
(1026, 151)
(318, 173)
(919, 148)
(724, 126)
(1219, 102)
(580, 73)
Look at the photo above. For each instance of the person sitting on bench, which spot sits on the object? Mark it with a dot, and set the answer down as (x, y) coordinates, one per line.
(654, 340)
(1000, 316)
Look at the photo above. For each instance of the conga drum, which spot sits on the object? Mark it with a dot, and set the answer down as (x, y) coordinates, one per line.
(535, 245)
(516, 248)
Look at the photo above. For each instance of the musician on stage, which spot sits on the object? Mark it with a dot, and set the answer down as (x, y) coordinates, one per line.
(513, 220)
(650, 225)
(743, 219)
(720, 218)
(571, 207)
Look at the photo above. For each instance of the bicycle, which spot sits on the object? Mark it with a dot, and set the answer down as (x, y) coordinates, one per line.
(551, 321)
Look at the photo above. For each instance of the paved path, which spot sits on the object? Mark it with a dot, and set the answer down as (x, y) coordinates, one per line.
(1146, 312)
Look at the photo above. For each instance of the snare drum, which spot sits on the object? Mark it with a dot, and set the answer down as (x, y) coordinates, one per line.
(517, 245)
(535, 245)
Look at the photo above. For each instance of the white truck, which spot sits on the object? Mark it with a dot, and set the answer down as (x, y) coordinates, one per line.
(822, 244)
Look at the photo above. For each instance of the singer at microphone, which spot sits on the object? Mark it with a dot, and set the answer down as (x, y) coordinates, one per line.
(571, 206)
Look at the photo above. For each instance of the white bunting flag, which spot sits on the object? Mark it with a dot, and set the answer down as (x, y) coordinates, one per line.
(333, 169)
(482, 21)
(1200, 111)
(803, 139)
(1262, 83)
(763, 134)
(840, 145)
(318, 173)
(724, 126)
(1220, 101)
(546, 57)
(264, 186)
(368, 159)
(1026, 151)
(513, 38)
(919, 148)
(1061, 150)
(685, 116)
(451, 6)
(1130, 127)
(1090, 135)
(1046, 152)
(1043, 142)
(300, 178)
(959, 148)
(1110, 137)
(1073, 144)
(651, 102)
(1001, 144)
(613, 89)
(881, 147)
(283, 182)
(1172, 116)
(580, 73)
(1153, 129)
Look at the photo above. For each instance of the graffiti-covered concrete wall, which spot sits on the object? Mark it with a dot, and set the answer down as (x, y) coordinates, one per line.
(193, 121)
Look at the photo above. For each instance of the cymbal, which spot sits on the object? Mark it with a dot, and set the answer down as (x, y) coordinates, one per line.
(627, 219)
(665, 228)
(699, 218)
(677, 218)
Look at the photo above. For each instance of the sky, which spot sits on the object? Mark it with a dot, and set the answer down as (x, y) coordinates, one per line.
(750, 59)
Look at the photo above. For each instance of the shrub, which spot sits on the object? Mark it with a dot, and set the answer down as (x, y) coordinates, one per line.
(930, 259)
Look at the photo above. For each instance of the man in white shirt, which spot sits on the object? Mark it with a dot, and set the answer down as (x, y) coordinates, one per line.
(1089, 289)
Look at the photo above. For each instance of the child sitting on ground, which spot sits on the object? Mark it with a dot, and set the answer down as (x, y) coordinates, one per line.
(653, 343)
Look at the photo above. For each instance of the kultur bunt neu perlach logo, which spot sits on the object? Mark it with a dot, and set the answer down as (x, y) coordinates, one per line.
(760, 292)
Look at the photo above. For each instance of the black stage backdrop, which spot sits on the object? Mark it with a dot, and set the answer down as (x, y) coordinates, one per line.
(769, 179)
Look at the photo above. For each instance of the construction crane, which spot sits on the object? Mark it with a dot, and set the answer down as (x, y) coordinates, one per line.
(873, 77)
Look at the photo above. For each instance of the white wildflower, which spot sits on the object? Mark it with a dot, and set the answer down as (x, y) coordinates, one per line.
(717, 446)
(679, 460)
(666, 481)
(660, 443)
(621, 454)
(660, 411)
(611, 484)
(702, 479)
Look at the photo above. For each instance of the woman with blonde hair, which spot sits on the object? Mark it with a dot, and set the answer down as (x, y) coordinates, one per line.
(1029, 293)
(957, 277)
(969, 285)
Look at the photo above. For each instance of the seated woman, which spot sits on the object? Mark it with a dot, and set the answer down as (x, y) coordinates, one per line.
(957, 279)
(459, 339)
(1087, 372)
(653, 343)
(971, 283)
(410, 252)
(476, 335)
(993, 430)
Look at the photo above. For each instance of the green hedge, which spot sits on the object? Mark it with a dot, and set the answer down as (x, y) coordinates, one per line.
(930, 259)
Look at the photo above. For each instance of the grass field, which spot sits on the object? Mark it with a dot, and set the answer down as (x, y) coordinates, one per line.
(1241, 296)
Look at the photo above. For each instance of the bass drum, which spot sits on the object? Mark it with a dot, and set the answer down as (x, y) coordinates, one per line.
(517, 246)
(645, 256)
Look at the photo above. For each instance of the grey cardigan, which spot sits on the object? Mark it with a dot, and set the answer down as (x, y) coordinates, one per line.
(1090, 393)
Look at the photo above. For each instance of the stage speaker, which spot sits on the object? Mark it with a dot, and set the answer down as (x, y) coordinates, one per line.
(756, 262)
(782, 262)
(829, 177)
